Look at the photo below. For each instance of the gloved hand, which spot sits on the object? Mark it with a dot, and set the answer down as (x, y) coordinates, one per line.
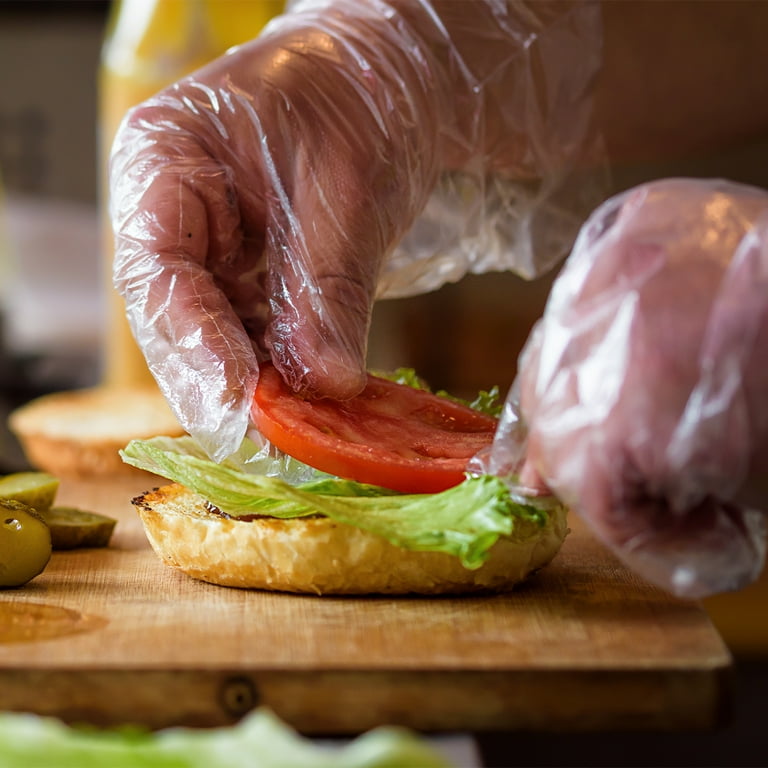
(258, 203)
(642, 393)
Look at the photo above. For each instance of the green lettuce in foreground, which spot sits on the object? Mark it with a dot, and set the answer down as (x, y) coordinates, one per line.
(261, 740)
(465, 521)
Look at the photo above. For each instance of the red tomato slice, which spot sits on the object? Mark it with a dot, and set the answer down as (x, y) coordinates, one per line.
(390, 435)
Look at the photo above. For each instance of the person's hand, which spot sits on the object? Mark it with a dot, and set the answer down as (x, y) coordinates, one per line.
(255, 203)
(642, 393)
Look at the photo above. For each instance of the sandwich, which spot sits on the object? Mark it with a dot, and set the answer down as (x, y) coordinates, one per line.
(363, 496)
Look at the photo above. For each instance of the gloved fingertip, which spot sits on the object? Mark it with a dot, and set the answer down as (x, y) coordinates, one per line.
(335, 379)
(331, 373)
(531, 479)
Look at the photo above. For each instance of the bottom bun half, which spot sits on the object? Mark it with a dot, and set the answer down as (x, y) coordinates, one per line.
(320, 556)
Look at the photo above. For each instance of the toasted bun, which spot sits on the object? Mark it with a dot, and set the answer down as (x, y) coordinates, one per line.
(318, 555)
(79, 433)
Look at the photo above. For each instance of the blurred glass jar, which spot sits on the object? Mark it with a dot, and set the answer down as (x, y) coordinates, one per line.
(150, 44)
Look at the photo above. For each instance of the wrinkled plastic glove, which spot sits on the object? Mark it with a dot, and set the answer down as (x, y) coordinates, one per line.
(262, 204)
(642, 393)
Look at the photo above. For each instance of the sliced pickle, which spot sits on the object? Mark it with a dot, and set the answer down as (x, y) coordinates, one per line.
(73, 528)
(25, 543)
(35, 489)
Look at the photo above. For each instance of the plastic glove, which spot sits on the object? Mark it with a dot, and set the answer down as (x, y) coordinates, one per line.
(641, 394)
(258, 204)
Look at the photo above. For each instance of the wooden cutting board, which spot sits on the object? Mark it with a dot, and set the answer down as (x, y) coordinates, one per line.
(113, 635)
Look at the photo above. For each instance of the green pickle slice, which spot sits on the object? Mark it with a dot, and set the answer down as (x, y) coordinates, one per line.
(25, 543)
(72, 528)
(35, 489)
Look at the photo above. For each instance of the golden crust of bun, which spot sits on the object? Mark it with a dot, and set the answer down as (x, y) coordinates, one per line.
(320, 556)
(78, 433)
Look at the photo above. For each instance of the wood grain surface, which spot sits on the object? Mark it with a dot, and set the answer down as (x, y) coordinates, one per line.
(113, 635)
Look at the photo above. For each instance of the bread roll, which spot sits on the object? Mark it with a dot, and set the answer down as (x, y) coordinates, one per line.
(321, 556)
(78, 433)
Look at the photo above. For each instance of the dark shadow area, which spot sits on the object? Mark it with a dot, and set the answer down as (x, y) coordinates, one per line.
(742, 740)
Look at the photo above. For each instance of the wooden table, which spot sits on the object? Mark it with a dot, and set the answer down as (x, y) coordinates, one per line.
(113, 636)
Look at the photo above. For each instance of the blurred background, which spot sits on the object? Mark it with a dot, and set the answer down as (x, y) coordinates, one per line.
(50, 289)
(59, 104)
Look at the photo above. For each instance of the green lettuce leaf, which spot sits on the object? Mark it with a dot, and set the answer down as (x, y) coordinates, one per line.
(465, 521)
(488, 402)
(260, 740)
